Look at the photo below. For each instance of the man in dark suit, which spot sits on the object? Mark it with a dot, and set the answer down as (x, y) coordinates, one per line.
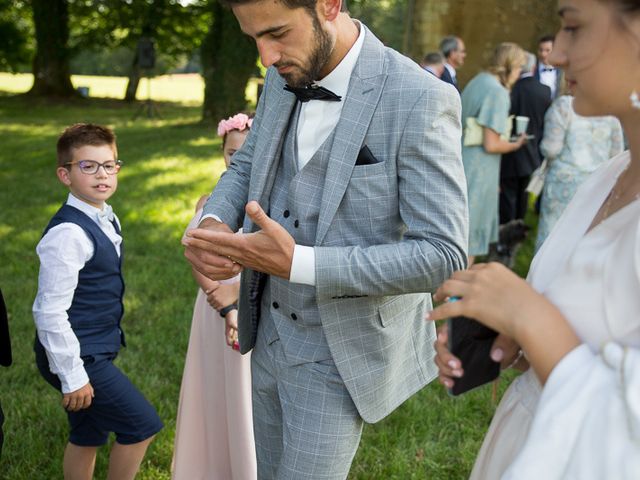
(5, 354)
(529, 98)
(454, 53)
(433, 63)
(544, 72)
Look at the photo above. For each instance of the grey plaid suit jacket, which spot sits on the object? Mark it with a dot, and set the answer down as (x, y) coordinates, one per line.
(387, 232)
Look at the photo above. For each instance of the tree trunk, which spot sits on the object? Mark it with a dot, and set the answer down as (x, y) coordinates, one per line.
(228, 61)
(51, 76)
(134, 81)
(482, 24)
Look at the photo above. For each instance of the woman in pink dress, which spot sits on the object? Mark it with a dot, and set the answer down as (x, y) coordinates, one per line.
(214, 428)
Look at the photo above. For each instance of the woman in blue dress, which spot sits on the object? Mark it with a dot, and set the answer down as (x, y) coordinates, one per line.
(485, 118)
(574, 146)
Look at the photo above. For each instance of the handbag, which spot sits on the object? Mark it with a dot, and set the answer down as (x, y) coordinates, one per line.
(474, 136)
(536, 182)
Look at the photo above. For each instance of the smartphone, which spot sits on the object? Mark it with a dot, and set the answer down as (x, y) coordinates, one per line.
(470, 341)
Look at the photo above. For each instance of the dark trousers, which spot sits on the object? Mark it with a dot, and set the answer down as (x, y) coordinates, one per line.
(513, 198)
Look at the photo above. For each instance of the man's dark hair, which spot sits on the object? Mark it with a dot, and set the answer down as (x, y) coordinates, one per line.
(309, 5)
(80, 135)
(448, 45)
(433, 58)
(546, 38)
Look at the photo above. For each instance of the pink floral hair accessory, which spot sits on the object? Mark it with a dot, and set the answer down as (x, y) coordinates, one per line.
(240, 122)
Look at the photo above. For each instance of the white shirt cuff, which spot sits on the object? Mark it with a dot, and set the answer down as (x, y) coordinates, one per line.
(303, 265)
(209, 215)
(74, 380)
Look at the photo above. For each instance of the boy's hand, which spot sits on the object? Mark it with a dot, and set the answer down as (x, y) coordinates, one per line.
(79, 399)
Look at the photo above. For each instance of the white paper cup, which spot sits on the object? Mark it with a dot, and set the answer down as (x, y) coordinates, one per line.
(521, 124)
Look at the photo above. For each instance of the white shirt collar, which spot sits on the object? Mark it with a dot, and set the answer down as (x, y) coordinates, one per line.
(338, 79)
(452, 71)
(89, 210)
(526, 75)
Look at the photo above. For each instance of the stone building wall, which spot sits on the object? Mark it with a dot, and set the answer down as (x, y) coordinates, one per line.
(482, 24)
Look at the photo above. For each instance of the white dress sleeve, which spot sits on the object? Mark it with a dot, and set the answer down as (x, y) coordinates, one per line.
(587, 423)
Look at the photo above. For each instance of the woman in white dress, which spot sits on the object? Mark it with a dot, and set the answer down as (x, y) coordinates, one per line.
(214, 427)
(575, 414)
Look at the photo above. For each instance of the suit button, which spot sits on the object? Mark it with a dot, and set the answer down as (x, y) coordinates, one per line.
(296, 224)
(294, 316)
(286, 214)
(275, 305)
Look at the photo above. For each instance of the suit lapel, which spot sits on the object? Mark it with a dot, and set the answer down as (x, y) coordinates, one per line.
(363, 95)
(266, 155)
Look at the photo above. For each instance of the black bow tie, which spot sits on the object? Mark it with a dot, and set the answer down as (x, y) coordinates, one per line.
(313, 92)
(548, 69)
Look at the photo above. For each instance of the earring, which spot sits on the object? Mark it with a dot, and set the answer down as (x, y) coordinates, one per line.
(635, 100)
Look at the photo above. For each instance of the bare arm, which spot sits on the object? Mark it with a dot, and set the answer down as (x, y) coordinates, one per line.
(493, 143)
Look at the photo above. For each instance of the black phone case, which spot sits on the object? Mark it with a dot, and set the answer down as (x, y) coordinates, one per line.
(471, 342)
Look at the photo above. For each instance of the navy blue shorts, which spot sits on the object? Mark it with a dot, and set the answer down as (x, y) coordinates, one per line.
(118, 406)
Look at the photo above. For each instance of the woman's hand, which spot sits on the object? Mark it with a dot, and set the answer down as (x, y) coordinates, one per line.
(222, 295)
(498, 298)
(504, 350)
(491, 294)
(449, 366)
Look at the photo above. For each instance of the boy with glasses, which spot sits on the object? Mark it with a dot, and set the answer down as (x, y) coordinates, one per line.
(79, 307)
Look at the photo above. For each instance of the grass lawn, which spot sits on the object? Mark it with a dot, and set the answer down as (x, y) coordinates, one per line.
(168, 164)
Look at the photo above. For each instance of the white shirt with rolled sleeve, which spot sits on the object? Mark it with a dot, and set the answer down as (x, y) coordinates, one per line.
(63, 252)
(316, 122)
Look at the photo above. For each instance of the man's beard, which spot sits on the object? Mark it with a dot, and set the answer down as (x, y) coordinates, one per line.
(322, 48)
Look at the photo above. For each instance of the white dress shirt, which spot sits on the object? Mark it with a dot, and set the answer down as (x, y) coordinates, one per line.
(63, 252)
(549, 77)
(316, 121)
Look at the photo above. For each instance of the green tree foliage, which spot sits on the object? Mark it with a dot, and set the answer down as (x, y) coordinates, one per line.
(15, 35)
(385, 18)
(228, 61)
(116, 26)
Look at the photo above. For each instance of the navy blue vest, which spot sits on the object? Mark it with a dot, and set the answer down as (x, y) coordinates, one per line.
(96, 309)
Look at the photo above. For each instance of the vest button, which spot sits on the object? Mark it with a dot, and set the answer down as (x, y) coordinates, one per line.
(294, 316)
(275, 305)
(296, 224)
(286, 214)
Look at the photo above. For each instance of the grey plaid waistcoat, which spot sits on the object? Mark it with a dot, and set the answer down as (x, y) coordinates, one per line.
(295, 204)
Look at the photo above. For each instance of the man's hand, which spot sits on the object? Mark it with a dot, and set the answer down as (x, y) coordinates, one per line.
(202, 254)
(223, 295)
(78, 399)
(269, 250)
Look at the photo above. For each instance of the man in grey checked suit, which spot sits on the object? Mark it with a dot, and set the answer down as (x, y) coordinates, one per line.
(354, 207)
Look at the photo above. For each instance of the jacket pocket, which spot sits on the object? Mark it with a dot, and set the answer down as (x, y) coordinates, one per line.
(400, 307)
